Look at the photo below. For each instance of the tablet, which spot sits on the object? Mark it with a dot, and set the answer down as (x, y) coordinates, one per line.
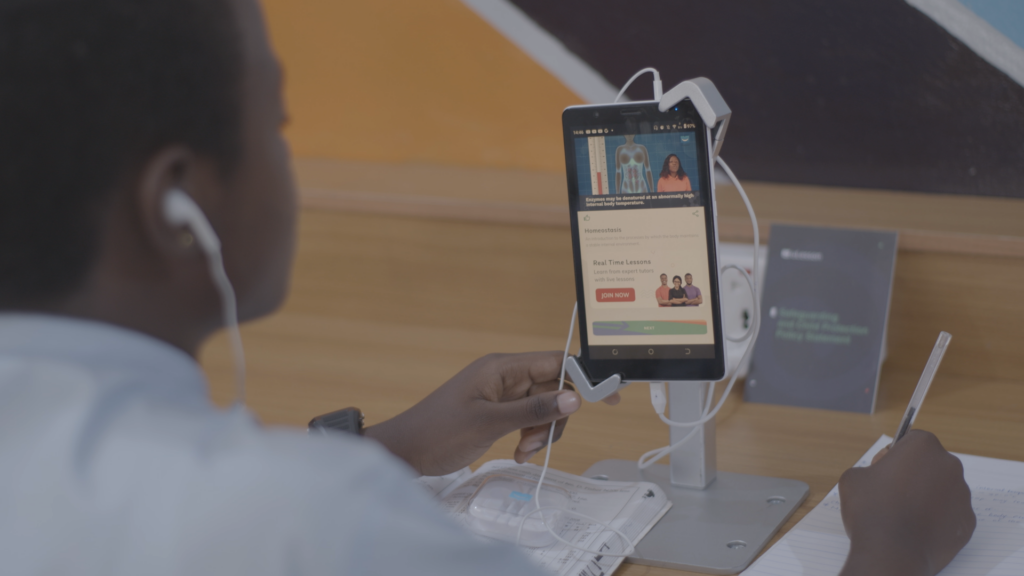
(644, 236)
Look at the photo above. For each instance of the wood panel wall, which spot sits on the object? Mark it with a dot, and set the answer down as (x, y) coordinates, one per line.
(382, 301)
(409, 81)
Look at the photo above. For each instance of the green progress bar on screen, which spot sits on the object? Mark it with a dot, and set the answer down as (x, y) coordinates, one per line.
(650, 328)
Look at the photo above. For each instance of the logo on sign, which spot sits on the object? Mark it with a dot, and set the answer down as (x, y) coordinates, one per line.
(806, 256)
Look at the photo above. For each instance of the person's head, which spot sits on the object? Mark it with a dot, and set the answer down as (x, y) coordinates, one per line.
(677, 281)
(105, 106)
(664, 279)
(689, 279)
(672, 168)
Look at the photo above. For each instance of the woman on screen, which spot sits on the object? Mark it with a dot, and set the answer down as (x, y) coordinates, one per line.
(673, 178)
(677, 295)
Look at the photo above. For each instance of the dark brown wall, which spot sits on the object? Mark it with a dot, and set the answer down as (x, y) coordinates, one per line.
(859, 93)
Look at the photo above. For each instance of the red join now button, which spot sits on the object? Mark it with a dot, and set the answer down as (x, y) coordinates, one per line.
(616, 295)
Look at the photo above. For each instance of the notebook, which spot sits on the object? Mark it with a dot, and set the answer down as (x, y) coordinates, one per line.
(817, 545)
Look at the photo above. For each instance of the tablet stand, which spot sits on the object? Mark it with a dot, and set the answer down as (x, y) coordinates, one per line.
(719, 521)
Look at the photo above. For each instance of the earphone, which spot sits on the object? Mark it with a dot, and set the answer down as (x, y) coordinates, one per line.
(180, 210)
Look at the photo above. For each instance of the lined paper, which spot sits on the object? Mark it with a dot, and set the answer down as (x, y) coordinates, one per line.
(817, 545)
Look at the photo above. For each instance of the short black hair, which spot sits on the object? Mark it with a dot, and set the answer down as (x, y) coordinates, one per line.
(89, 91)
(674, 278)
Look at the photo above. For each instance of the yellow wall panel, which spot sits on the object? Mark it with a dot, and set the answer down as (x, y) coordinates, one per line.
(413, 81)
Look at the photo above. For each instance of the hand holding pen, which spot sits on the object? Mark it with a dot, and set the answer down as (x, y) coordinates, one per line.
(910, 512)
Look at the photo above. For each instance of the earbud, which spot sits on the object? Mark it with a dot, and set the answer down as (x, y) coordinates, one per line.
(181, 210)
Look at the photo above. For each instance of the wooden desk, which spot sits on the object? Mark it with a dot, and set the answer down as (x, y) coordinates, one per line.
(383, 309)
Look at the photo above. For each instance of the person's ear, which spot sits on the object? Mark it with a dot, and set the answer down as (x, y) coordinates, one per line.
(175, 168)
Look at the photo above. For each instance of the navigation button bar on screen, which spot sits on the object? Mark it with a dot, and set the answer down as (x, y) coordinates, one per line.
(648, 352)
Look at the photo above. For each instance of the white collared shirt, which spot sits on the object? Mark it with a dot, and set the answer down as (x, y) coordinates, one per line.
(114, 462)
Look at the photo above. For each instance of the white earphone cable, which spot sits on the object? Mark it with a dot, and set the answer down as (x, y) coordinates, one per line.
(229, 307)
(755, 327)
(179, 209)
(544, 471)
(657, 84)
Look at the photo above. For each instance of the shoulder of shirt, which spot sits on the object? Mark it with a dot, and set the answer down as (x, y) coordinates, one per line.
(158, 427)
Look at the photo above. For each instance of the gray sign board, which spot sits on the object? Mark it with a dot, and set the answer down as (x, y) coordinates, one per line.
(824, 310)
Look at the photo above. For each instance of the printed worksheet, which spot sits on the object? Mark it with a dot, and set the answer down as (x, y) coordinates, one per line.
(630, 507)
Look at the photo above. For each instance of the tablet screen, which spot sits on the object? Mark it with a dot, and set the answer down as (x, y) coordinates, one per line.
(642, 220)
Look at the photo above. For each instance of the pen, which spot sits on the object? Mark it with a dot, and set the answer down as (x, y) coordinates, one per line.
(923, 385)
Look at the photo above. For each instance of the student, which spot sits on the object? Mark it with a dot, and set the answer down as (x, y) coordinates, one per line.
(112, 459)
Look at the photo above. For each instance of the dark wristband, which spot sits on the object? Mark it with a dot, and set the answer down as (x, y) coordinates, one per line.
(345, 420)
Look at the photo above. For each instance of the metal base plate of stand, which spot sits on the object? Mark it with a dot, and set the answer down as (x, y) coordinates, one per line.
(717, 530)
